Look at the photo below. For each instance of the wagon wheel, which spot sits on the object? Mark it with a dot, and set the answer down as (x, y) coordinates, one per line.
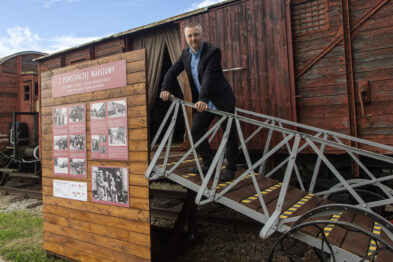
(5, 163)
(326, 251)
(367, 193)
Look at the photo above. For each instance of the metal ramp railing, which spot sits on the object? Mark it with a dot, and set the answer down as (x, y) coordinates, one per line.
(251, 191)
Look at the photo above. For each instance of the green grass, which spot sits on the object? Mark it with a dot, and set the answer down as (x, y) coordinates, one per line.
(21, 237)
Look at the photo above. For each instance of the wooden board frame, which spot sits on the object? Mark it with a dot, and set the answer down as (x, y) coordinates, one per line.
(90, 231)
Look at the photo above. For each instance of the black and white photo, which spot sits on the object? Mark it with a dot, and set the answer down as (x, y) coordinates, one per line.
(117, 108)
(60, 143)
(110, 185)
(61, 165)
(77, 113)
(117, 136)
(77, 166)
(98, 110)
(60, 116)
(103, 149)
(102, 138)
(77, 142)
(95, 143)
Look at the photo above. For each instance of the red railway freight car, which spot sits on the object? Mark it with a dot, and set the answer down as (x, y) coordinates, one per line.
(325, 63)
(18, 92)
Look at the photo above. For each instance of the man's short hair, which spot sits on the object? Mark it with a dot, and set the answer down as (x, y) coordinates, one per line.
(194, 24)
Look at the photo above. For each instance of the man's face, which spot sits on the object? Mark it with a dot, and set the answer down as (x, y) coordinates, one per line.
(193, 37)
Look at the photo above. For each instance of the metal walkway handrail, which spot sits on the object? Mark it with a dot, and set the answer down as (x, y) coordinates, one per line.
(295, 139)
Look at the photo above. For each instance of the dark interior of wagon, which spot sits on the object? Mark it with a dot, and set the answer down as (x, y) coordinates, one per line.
(160, 108)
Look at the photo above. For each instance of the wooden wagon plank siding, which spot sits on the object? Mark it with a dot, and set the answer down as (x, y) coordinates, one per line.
(372, 47)
(69, 252)
(110, 48)
(99, 240)
(106, 220)
(111, 232)
(97, 251)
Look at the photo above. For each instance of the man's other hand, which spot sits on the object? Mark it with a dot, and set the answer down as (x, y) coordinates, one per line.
(164, 95)
(200, 106)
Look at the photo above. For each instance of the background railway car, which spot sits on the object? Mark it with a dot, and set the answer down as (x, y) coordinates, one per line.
(19, 103)
(319, 62)
(325, 63)
(19, 92)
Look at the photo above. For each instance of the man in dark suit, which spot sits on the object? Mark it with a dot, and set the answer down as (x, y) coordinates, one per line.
(209, 88)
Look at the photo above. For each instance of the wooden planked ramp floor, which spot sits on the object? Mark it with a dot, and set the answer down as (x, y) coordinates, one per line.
(297, 203)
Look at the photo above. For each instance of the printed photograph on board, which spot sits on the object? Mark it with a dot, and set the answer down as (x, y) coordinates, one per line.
(77, 113)
(77, 166)
(60, 142)
(98, 110)
(60, 116)
(95, 143)
(110, 185)
(117, 136)
(117, 108)
(61, 165)
(77, 142)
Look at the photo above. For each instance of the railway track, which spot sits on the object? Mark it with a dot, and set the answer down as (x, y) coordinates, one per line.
(21, 192)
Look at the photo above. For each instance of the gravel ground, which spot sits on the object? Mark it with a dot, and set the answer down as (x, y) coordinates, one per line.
(212, 242)
(218, 242)
(9, 203)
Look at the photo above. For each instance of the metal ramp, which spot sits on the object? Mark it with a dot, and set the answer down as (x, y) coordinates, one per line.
(283, 198)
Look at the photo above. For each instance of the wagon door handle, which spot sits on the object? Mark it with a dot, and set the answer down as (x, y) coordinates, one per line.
(364, 96)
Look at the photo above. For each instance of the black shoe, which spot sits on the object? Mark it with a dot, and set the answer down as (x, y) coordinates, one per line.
(228, 175)
(195, 170)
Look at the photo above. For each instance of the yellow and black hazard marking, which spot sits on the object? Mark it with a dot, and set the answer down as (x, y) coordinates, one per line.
(168, 164)
(296, 206)
(374, 244)
(225, 184)
(328, 228)
(185, 161)
(264, 192)
(189, 175)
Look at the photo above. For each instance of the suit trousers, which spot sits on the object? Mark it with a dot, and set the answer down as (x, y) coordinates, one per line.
(200, 125)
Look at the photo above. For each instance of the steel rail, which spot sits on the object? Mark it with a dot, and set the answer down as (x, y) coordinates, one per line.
(21, 192)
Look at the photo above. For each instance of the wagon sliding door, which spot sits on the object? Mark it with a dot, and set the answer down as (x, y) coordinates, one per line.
(252, 36)
(343, 65)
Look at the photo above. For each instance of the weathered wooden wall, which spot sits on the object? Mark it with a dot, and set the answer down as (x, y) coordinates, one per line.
(324, 89)
(263, 38)
(373, 62)
(88, 231)
(321, 91)
(252, 35)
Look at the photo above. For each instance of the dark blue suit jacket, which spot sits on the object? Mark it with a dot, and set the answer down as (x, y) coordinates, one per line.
(214, 85)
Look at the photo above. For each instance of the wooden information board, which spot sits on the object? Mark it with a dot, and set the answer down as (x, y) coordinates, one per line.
(109, 226)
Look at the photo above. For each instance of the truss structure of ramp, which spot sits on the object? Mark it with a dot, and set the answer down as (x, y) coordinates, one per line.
(282, 198)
